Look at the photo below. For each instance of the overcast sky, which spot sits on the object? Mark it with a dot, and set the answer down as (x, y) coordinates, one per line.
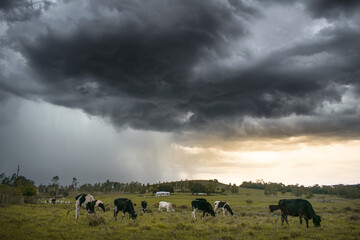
(166, 90)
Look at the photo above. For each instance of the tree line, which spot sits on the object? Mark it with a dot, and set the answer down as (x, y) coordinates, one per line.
(16, 187)
(345, 191)
(191, 186)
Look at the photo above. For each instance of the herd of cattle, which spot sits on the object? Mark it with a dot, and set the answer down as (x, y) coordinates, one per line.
(289, 207)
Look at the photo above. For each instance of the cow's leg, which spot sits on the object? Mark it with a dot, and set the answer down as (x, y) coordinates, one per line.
(115, 213)
(123, 215)
(193, 213)
(300, 219)
(307, 222)
(286, 220)
(76, 210)
(223, 211)
(282, 219)
(203, 215)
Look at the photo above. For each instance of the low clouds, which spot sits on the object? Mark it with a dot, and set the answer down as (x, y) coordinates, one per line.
(191, 65)
(332, 9)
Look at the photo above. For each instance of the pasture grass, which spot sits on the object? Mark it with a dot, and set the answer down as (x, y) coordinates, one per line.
(252, 220)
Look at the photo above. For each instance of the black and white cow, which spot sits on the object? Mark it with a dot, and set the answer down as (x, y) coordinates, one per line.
(201, 199)
(99, 205)
(124, 205)
(85, 201)
(52, 200)
(224, 206)
(202, 205)
(298, 208)
(144, 206)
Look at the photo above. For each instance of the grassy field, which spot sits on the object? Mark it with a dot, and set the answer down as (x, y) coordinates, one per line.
(340, 220)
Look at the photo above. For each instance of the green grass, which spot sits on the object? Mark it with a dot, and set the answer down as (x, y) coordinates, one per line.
(340, 220)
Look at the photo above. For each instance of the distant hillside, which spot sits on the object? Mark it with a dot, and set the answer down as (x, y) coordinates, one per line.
(194, 186)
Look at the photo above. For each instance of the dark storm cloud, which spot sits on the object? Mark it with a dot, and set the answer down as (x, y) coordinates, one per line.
(332, 8)
(161, 65)
(21, 10)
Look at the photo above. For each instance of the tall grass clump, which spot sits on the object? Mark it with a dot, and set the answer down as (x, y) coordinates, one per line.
(95, 219)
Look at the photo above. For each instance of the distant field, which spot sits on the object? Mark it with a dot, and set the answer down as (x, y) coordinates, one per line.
(340, 220)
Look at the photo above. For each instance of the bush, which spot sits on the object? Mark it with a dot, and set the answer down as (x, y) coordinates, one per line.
(9, 195)
(27, 190)
(248, 201)
(30, 199)
(354, 217)
(95, 219)
(309, 195)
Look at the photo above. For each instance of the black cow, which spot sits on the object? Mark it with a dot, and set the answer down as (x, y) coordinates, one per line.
(273, 208)
(86, 201)
(202, 205)
(124, 205)
(298, 208)
(144, 206)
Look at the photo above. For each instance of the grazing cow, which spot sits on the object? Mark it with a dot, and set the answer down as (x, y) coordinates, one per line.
(273, 208)
(144, 206)
(85, 201)
(166, 205)
(202, 205)
(99, 205)
(298, 208)
(124, 205)
(201, 199)
(52, 200)
(224, 206)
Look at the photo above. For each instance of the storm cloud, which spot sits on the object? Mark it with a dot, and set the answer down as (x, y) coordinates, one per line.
(194, 66)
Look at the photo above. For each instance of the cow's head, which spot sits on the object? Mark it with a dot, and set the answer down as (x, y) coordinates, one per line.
(134, 215)
(316, 220)
(101, 205)
(90, 207)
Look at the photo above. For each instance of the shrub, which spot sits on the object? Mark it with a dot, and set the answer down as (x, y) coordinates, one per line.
(30, 199)
(309, 195)
(347, 208)
(95, 219)
(9, 195)
(354, 217)
(146, 227)
(248, 201)
(28, 190)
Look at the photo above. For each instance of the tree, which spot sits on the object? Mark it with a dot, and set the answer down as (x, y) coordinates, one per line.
(234, 189)
(55, 180)
(271, 189)
(166, 188)
(74, 182)
(197, 187)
